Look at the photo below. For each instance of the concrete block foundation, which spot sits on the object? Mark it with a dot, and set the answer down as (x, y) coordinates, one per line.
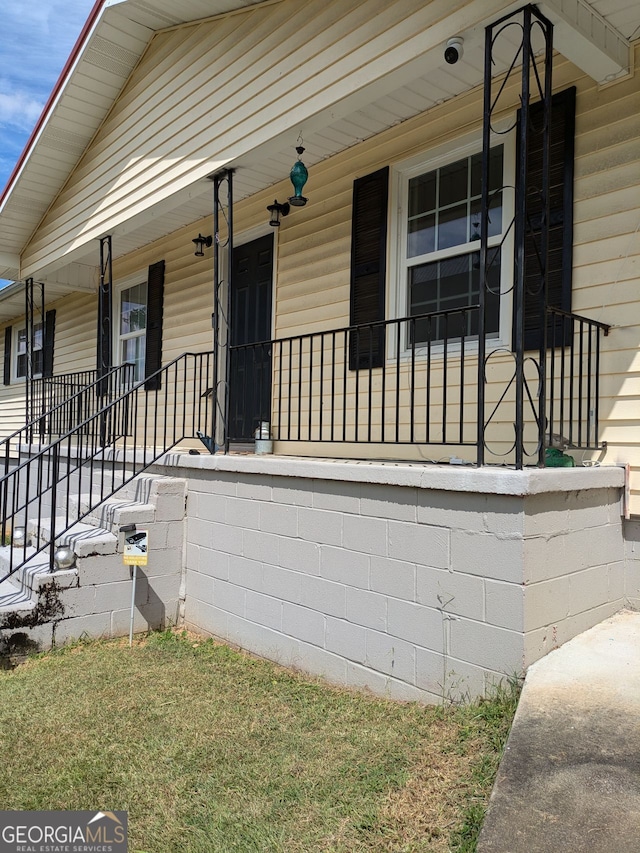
(417, 582)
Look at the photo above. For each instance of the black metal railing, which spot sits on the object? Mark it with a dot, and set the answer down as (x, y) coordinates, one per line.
(81, 400)
(573, 380)
(60, 402)
(72, 475)
(415, 382)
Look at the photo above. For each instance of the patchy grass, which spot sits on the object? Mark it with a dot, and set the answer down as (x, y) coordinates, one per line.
(209, 749)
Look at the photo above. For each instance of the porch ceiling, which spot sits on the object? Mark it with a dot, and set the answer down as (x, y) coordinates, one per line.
(112, 45)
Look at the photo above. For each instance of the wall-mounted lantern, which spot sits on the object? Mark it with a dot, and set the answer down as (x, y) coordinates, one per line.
(201, 243)
(276, 211)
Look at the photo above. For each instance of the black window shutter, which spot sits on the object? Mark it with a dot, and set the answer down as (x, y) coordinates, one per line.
(560, 253)
(368, 268)
(7, 355)
(49, 336)
(155, 302)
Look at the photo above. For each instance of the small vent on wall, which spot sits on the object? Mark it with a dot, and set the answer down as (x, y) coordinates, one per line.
(63, 140)
(28, 207)
(115, 51)
(108, 63)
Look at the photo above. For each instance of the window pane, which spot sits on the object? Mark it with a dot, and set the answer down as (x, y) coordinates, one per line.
(495, 216)
(133, 351)
(22, 352)
(21, 367)
(133, 310)
(495, 171)
(453, 183)
(422, 194)
(422, 235)
(452, 226)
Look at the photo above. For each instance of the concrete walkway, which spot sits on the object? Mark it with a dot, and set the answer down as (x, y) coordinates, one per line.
(570, 778)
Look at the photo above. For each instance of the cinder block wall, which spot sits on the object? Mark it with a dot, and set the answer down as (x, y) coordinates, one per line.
(419, 587)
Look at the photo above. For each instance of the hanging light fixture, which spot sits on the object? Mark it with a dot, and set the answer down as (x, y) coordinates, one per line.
(277, 210)
(201, 243)
(299, 176)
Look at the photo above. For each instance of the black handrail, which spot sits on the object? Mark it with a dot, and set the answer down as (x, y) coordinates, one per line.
(95, 459)
(79, 402)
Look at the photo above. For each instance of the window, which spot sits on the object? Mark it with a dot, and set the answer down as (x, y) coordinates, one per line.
(439, 256)
(132, 328)
(22, 353)
(137, 324)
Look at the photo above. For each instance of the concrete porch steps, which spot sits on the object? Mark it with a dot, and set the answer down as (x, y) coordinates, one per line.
(114, 512)
(40, 608)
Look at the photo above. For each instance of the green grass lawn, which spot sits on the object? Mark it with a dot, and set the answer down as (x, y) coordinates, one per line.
(210, 750)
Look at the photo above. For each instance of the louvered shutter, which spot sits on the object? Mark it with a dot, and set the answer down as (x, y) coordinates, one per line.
(560, 252)
(47, 346)
(368, 268)
(155, 303)
(7, 355)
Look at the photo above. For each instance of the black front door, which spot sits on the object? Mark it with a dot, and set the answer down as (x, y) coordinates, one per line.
(250, 379)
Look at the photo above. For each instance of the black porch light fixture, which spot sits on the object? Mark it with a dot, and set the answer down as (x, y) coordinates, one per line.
(276, 211)
(201, 243)
(299, 176)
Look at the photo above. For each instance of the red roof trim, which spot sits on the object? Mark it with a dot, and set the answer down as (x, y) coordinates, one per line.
(93, 15)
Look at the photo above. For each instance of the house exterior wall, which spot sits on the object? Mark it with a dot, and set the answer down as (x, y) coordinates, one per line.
(418, 584)
(313, 253)
(172, 122)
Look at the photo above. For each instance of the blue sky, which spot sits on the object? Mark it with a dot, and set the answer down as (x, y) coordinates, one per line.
(35, 41)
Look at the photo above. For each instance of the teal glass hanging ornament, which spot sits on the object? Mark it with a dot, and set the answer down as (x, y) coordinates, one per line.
(299, 176)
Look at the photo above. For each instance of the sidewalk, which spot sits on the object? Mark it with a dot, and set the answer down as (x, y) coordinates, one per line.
(569, 781)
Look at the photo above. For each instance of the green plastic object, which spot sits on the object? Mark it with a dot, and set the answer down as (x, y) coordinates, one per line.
(555, 458)
(299, 176)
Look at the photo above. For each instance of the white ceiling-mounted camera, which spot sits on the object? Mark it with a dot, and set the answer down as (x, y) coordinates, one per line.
(454, 50)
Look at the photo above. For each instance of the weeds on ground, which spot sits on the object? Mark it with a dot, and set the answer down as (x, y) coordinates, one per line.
(209, 749)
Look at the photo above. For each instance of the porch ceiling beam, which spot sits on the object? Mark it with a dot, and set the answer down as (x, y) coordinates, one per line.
(74, 276)
(10, 263)
(585, 38)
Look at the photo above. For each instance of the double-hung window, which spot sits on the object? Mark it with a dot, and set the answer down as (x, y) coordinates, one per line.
(439, 244)
(22, 353)
(132, 327)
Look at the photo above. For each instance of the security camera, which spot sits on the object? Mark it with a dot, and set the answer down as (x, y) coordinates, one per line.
(453, 51)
